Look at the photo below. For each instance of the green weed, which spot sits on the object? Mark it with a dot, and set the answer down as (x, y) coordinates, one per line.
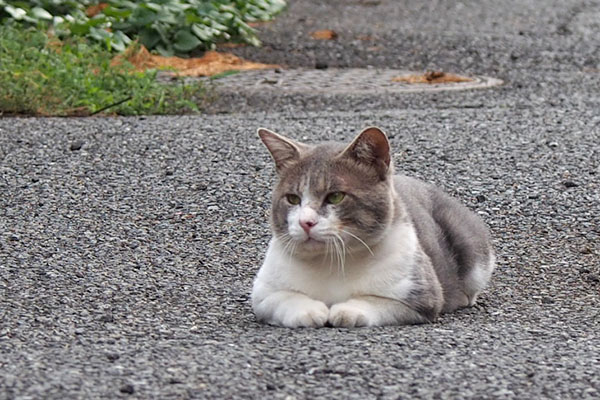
(43, 76)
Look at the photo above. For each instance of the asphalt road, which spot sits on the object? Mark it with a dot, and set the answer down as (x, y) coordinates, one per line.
(128, 245)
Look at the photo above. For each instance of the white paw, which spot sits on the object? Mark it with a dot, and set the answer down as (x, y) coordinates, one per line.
(348, 315)
(309, 314)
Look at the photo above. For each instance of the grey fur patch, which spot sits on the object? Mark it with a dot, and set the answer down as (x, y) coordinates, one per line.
(426, 297)
(455, 239)
(367, 208)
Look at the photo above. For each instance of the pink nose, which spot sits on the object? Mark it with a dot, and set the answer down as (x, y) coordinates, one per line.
(306, 225)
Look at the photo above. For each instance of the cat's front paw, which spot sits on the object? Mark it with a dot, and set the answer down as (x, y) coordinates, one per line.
(309, 314)
(348, 315)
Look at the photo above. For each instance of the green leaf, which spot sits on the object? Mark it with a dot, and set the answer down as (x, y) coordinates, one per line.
(120, 40)
(165, 51)
(15, 12)
(80, 29)
(201, 32)
(99, 34)
(149, 37)
(118, 13)
(40, 13)
(185, 41)
(142, 16)
(153, 6)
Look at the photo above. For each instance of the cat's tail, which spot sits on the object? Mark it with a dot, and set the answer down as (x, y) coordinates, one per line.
(478, 278)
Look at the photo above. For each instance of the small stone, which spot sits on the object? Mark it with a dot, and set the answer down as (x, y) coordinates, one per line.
(593, 278)
(242, 298)
(106, 318)
(76, 145)
(547, 300)
(127, 389)
(586, 250)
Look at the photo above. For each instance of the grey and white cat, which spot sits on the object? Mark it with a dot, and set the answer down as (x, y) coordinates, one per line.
(355, 245)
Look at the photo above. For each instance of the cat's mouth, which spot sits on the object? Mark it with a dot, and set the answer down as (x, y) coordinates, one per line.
(313, 244)
(312, 241)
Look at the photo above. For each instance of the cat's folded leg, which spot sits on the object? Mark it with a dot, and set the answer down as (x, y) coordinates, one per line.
(290, 309)
(373, 311)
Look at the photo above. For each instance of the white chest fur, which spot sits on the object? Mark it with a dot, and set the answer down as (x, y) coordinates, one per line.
(385, 273)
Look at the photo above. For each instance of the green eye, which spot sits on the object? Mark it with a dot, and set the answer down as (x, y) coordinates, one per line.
(335, 197)
(292, 199)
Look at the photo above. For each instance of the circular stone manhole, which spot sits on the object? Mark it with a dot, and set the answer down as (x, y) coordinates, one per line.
(342, 80)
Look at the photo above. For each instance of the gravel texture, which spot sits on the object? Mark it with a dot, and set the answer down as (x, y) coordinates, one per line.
(128, 245)
(547, 53)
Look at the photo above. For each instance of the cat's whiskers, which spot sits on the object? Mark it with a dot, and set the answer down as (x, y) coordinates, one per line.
(336, 252)
(325, 254)
(327, 244)
(294, 246)
(359, 239)
(340, 252)
(289, 245)
(343, 250)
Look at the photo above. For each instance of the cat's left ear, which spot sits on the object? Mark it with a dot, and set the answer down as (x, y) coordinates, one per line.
(371, 147)
(285, 151)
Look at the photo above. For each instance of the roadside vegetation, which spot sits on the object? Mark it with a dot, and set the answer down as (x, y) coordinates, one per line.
(43, 76)
(55, 55)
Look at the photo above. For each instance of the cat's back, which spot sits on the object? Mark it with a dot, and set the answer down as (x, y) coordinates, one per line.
(455, 238)
(425, 202)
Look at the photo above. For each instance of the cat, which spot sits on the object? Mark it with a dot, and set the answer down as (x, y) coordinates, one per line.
(355, 245)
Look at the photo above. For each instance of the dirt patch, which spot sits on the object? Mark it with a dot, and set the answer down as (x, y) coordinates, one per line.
(211, 63)
(432, 77)
(94, 10)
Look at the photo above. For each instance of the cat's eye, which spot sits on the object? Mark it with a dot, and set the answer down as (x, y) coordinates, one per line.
(293, 199)
(335, 197)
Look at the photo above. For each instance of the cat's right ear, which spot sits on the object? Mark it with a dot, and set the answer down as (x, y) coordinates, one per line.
(371, 147)
(284, 151)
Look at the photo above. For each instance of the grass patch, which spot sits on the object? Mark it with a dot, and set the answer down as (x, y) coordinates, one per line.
(43, 76)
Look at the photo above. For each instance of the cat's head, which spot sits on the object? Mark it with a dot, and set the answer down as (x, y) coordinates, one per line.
(331, 197)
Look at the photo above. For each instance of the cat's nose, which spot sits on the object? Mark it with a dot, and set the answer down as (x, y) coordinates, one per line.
(307, 224)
